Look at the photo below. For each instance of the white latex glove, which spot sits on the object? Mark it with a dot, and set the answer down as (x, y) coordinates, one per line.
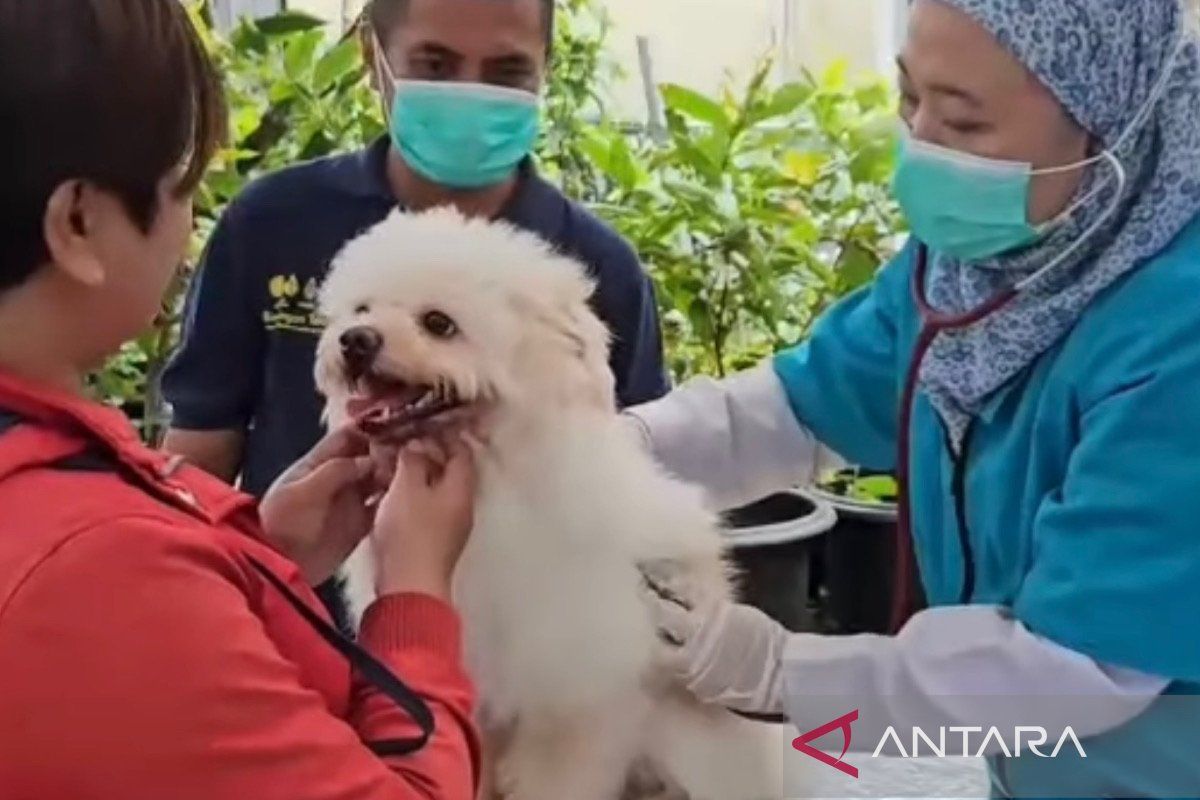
(724, 653)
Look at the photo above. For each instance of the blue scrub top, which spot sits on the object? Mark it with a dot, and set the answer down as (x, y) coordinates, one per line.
(1075, 503)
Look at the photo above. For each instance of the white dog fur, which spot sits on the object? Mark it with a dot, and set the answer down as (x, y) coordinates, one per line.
(558, 632)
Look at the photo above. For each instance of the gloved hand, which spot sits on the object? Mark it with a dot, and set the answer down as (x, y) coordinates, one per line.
(724, 653)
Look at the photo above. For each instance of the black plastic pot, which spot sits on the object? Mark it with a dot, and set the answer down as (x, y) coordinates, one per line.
(774, 543)
(859, 566)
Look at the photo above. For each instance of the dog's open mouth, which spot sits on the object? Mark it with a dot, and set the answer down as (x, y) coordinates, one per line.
(388, 408)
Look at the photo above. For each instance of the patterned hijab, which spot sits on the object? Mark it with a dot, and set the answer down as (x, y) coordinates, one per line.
(1102, 59)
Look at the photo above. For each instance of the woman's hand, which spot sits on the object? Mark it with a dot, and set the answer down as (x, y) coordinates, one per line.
(425, 517)
(316, 513)
(726, 654)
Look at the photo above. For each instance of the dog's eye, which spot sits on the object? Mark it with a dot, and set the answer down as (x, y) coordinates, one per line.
(439, 325)
(362, 308)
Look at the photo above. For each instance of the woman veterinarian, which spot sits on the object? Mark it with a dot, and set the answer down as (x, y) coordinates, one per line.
(1030, 365)
(154, 640)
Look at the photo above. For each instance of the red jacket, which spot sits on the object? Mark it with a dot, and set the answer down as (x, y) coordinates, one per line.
(142, 657)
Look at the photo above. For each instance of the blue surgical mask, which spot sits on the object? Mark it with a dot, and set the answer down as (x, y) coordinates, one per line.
(462, 135)
(968, 207)
(973, 208)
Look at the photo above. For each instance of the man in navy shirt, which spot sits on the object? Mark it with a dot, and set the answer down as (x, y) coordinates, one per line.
(459, 79)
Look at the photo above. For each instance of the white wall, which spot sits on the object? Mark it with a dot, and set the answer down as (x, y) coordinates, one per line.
(700, 42)
(331, 10)
(225, 12)
(695, 42)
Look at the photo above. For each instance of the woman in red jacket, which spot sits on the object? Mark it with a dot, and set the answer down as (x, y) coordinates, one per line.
(157, 640)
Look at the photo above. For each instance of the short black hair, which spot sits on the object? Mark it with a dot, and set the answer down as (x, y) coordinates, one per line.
(117, 93)
(386, 14)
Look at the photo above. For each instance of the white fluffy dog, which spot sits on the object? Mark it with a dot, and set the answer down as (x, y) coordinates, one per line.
(431, 312)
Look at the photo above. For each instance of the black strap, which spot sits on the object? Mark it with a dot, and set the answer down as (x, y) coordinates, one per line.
(370, 668)
(8, 421)
(91, 460)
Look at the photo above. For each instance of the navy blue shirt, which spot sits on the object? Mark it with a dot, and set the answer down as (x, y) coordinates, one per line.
(251, 326)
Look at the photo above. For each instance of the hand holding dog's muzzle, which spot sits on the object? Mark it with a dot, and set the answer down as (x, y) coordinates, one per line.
(425, 517)
(316, 513)
(725, 653)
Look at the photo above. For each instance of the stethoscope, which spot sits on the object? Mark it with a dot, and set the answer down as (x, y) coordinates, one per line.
(933, 324)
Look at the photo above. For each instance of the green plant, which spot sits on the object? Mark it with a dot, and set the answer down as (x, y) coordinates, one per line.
(293, 96)
(579, 74)
(759, 210)
(863, 488)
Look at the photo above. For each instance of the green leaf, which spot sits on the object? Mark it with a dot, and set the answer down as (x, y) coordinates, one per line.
(757, 82)
(805, 231)
(244, 119)
(283, 92)
(299, 54)
(598, 150)
(621, 165)
(876, 94)
(834, 78)
(699, 315)
(345, 59)
(715, 147)
(697, 159)
(288, 22)
(785, 101)
(804, 167)
(691, 103)
(249, 38)
(319, 144)
(726, 203)
(856, 267)
(875, 488)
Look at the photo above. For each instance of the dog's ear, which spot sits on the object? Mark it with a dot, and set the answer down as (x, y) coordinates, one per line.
(592, 339)
(569, 326)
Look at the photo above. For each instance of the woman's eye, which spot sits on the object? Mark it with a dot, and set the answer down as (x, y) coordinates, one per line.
(966, 128)
(362, 308)
(439, 325)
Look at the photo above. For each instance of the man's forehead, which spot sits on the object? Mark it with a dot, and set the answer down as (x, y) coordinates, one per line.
(506, 19)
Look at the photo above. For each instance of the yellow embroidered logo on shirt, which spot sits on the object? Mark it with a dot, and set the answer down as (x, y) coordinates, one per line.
(293, 306)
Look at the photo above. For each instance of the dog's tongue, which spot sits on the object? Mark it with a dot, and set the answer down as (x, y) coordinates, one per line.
(382, 403)
(357, 407)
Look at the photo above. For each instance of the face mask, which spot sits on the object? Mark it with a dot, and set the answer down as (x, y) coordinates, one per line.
(462, 135)
(968, 207)
(973, 208)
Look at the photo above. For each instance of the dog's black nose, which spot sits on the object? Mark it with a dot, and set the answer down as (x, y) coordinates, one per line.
(360, 346)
